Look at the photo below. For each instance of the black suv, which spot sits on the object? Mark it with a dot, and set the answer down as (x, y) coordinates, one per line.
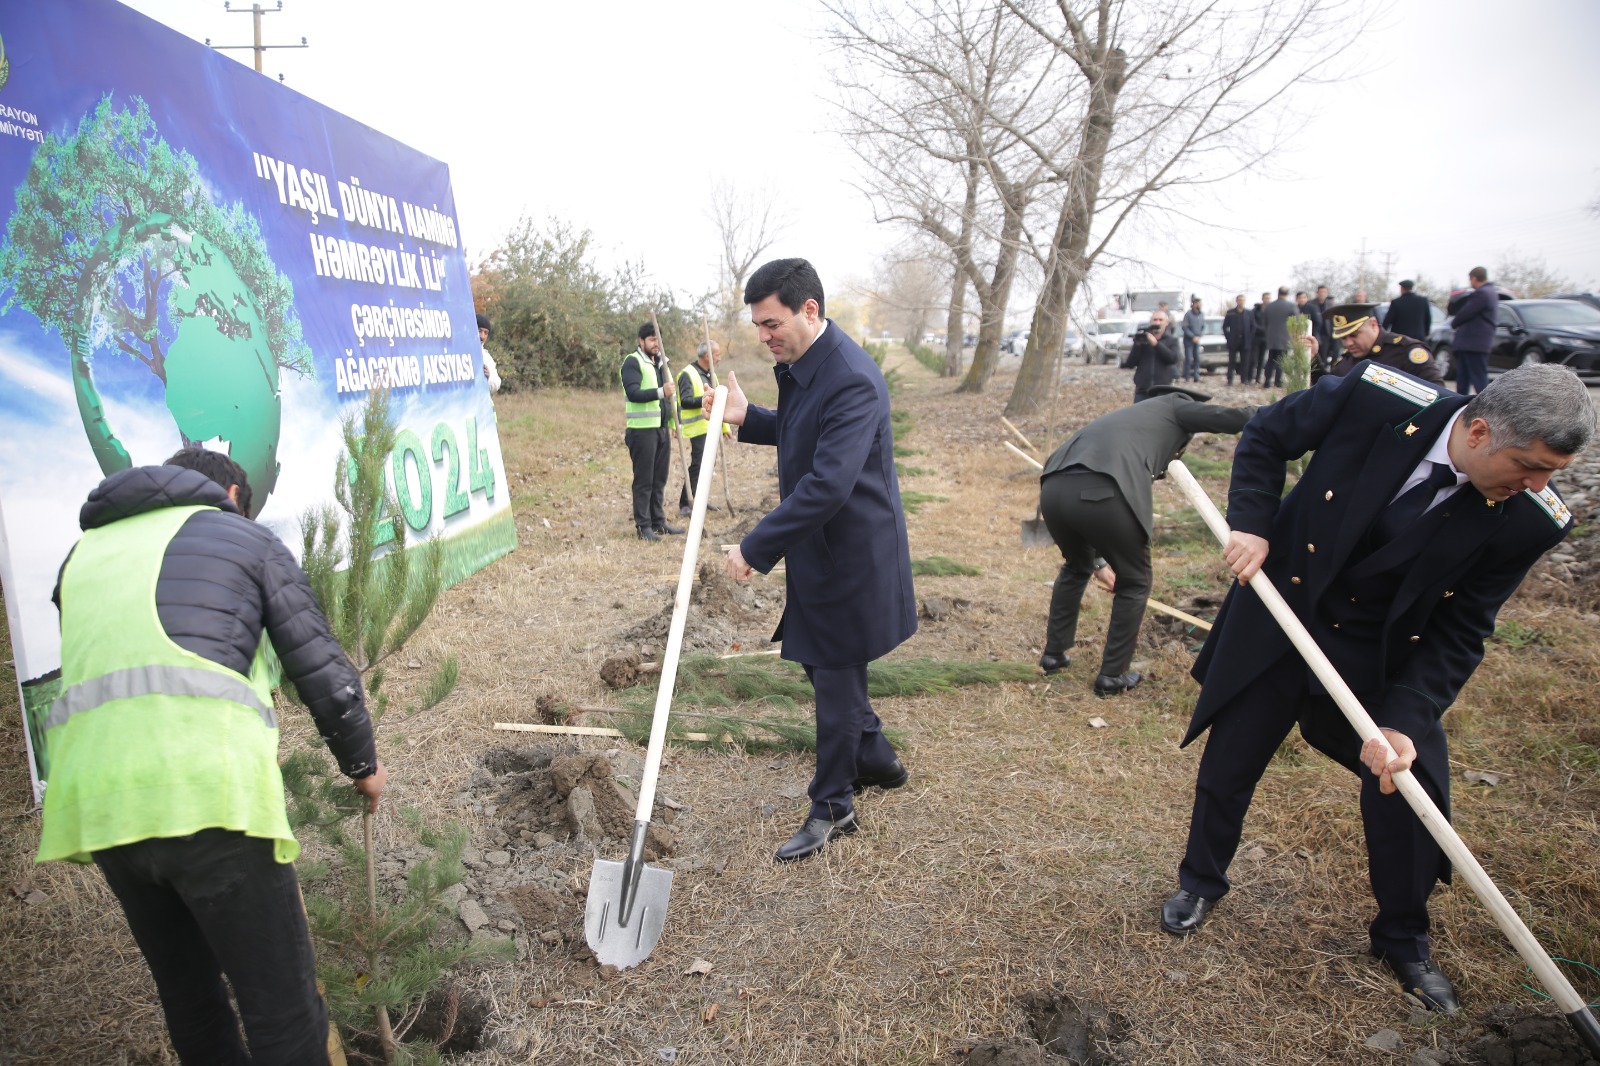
(1548, 331)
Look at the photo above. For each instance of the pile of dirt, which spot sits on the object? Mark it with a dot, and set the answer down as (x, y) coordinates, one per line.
(722, 613)
(1523, 1036)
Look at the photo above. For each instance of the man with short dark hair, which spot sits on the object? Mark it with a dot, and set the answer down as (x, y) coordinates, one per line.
(490, 371)
(1194, 324)
(162, 749)
(1277, 315)
(1258, 351)
(1325, 347)
(1415, 520)
(839, 525)
(1153, 356)
(1474, 316)
(1239, 327)
(647, 389)
(1409, 314)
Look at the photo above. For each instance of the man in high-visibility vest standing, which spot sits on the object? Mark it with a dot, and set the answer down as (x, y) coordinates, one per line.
(163, 749)
(693, 385)
(648, 391)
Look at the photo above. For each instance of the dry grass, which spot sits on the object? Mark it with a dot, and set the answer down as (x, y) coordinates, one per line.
(1029, 850)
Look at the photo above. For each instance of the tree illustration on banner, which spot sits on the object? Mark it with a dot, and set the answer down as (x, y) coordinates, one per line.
(116, 245)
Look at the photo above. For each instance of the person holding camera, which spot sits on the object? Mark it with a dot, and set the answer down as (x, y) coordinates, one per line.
(1153, 357)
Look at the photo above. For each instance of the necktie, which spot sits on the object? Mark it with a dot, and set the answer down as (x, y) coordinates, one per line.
(1411, 504)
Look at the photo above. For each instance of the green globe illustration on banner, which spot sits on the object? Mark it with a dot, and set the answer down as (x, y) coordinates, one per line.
(116, 245)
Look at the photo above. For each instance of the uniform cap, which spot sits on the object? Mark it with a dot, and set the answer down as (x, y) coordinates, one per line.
(1347, 318)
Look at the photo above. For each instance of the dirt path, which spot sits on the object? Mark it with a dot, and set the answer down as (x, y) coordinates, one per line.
(1005, 899)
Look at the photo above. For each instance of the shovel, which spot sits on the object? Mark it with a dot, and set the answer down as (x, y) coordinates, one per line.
(1035, 534)
(1433, 819)
(627, 905)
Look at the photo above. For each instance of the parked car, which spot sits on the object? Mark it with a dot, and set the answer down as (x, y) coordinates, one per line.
(1108, 343)
(1548, 331)
(1213, 345)
(1589, 298)
(1016, 342)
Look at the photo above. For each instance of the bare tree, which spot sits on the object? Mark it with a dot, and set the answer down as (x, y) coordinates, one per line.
(946, 101)
(908, 289)
(1174, 96)
(748, 221)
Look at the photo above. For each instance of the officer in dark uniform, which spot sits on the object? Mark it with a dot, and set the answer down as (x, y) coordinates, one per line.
(1356, 327)
(1415, 520)
(1094, 495)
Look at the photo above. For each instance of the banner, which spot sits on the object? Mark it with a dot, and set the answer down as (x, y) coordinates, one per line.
(192, 252)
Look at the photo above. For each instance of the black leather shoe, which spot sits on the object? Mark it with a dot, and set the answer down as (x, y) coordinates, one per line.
(1105, 685)
(664, 528)
(649, 534)
(814, 836)
(1183, 912)
(1427, 982)
(894, 777)
(684, 512)
(1052, 663)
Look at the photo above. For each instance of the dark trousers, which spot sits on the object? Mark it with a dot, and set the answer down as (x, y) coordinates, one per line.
(850, 741)
(1191, 359)
(1472, 372)
(1237, 360)
(216, 903)
(697, 448)
(1403, 860)
(1252, 364)
(1087, 516)
(651, 452)
(1272, 372)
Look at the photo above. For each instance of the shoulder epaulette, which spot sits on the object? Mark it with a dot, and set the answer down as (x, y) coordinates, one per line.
(1400, 385)
(1551, 504)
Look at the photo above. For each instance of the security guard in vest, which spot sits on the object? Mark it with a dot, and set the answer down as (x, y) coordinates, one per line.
(1355, 327)
(697, 379)
(647, 386)
(162, 749)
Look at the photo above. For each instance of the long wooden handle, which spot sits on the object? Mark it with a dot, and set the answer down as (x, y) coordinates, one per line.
(680, 613)
(1432, 818)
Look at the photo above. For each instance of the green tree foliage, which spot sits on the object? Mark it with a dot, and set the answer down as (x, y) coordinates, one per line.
(116, 245)
(561, 320)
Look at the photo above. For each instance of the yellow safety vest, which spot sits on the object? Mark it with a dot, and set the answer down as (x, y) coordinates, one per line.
(148, 739)
(645, 415)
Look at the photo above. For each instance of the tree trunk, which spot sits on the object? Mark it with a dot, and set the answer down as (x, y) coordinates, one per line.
(954, 326)
(992, 300)
(1067, 262)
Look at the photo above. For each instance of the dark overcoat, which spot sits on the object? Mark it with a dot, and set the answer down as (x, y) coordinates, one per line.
(1369, 430)
(839, 522)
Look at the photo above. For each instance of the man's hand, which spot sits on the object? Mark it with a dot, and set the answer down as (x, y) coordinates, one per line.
(1377, 760)
(371, 786)
(1311, 341)
(1245, 554)
(668, 389)
(733, 412)
(738, 569)
(1107, 578)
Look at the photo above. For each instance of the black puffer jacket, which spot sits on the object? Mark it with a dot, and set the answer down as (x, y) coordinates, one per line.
(223, 580)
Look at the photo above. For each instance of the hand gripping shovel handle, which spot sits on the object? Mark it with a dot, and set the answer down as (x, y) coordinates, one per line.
(1538, 960)
(669, 661)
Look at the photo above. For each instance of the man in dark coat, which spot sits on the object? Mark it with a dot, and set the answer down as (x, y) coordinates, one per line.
(1258, 350)
(1409, 314)
(1417, 517)
(839, 525)
(1474, 316)
(1355, 326)
(1094, 495)
(1277, 315)
(1239, 327)
(1153, 356)
(1324, 335)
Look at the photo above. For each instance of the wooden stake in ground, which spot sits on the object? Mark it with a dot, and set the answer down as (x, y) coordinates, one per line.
(1433, 819)
(677, 423)
(385, 1031)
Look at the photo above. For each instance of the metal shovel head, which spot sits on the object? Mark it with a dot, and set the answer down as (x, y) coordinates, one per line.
(613, 942)
(1035, 534)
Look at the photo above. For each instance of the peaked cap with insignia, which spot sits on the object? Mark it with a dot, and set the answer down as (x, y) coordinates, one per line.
(1345, 319)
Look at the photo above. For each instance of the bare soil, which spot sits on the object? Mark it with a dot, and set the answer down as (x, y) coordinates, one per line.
(1000, 909)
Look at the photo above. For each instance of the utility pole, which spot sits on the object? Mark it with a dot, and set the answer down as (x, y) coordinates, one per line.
(1388, 269)
(1361, 285)
(255, 11)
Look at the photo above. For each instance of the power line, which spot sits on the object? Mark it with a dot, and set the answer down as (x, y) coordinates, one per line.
(255, 11)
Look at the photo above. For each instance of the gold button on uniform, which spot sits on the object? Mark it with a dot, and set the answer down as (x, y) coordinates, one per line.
(1449, 593)
(1312, 548)
(1328, 495)
(1294, 581)
(1416, 639)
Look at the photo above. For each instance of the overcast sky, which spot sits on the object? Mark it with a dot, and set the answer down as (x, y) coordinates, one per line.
(1472, 132)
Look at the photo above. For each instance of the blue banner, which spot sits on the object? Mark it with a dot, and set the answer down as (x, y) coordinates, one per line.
(193, 252)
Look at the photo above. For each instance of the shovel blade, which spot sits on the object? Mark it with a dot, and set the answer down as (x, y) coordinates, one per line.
(612, 942)
(1035, 534)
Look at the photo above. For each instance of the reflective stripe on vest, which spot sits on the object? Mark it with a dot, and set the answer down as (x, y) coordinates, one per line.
(157, 680)
(645, 415)
(693, 419)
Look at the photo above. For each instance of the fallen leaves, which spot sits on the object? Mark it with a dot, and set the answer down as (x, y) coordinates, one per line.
(698, 966)
(28, 894)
